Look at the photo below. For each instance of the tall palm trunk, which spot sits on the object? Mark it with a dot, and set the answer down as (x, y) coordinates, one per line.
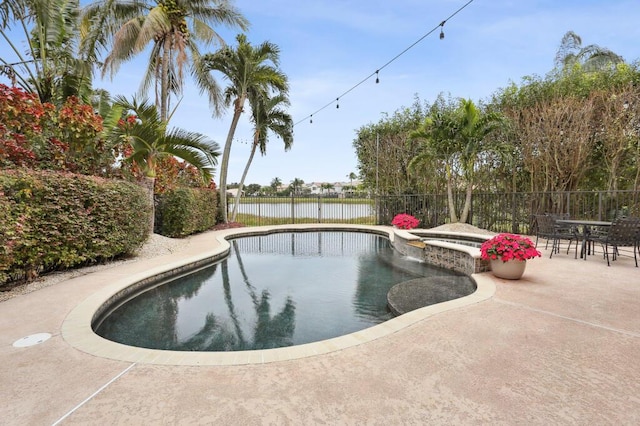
(452, 206)
(149, 183)
(467, 204)
(241, 185)
(164, 88)
(224, 165)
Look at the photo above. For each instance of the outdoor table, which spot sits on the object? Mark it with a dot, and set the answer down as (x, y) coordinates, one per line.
(585, 225)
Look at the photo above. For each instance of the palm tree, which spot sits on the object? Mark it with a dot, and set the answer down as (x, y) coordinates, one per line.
(150, 141)
(296, 185)
(591, 57)
(266, 115)
(439, 144)
(326, 186)
(51, 66)
(457, 139)
(251, 72)
(275, 183)
(173, 28)
(351, 176)
(473, 128)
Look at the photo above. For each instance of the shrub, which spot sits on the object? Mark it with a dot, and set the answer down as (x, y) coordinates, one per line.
(405, 221)
(55, 221)
(39, 135)
(185, 211)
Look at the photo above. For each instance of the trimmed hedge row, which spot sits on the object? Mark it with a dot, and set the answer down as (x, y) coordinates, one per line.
(52, 220)
(185, 211)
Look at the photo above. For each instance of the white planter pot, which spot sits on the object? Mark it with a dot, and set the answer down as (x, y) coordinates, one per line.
(509, 270)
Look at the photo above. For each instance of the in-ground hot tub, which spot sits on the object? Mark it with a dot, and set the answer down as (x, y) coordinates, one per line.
(457, 251)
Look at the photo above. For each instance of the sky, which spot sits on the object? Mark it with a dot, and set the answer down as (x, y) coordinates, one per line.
(330, 46)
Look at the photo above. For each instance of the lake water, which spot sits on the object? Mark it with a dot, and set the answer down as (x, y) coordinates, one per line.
(308, 210)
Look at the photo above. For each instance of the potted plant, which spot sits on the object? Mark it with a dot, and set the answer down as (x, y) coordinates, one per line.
(508, 254)
(405, 221)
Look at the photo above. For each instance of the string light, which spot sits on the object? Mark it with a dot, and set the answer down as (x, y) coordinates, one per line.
(376, 72)
(337, 103)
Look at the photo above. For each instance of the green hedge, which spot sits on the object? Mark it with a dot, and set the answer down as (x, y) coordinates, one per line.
(185, 211)
(51, 221)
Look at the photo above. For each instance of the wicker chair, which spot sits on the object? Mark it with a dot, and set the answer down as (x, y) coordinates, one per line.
(623, 232)
(549, 229)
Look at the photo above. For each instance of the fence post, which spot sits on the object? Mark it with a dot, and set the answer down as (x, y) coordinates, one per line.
(293, 214)
(514, 212)
(319, 210)
(599, 205)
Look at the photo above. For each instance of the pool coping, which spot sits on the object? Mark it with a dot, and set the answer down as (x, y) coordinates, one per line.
(76, 328)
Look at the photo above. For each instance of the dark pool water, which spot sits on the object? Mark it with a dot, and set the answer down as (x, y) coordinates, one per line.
(272, 291)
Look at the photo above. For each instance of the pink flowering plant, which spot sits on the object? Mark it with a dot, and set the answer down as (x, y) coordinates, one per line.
(508, 246)
(405, 221)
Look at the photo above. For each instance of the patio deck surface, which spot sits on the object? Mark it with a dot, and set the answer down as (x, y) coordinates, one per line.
(559, 346)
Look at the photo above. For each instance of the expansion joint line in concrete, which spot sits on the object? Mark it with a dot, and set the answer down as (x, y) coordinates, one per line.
(103, 387)
(591, 324)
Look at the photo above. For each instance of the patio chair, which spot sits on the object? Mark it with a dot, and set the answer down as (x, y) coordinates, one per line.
(623, 232)
(549, 229)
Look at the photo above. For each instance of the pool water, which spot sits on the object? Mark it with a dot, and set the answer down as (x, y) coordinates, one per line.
(272, 291)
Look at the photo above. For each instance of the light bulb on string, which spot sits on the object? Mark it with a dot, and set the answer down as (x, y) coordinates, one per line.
(377, 72)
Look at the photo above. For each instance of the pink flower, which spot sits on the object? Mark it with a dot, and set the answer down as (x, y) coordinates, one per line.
(405, 221)
(508, 246)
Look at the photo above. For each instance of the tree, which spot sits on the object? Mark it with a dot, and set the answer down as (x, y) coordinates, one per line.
(266, 115)
(573, 131)
(254, 189)
(296, 186)
(458, 138)
(276, 182)
(326, 186)
(173, 28)
(251, 72)
(351, 176)
(437, 134)
(474, 127)
(52, 65)
(150, 141)
(384, 151)
(590, 58)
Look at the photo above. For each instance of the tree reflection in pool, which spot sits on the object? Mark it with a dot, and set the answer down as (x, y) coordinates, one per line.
(272, 291)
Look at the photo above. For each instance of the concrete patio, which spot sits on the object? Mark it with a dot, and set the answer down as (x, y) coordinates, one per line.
(559, 346)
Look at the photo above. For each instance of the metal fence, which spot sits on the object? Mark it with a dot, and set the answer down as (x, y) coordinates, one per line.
(499, 212)
(280, 210)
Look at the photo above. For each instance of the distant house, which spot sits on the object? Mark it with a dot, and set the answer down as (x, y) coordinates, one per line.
(338, 187)
(233, 192)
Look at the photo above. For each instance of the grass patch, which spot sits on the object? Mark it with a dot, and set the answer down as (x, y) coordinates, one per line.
(253, 220)
(305, 200)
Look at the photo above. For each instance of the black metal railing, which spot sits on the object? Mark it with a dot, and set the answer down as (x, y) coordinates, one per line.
(310, 209)
(499, 212)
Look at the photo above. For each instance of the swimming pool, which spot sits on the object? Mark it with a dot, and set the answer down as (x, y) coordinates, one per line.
(272, 290)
